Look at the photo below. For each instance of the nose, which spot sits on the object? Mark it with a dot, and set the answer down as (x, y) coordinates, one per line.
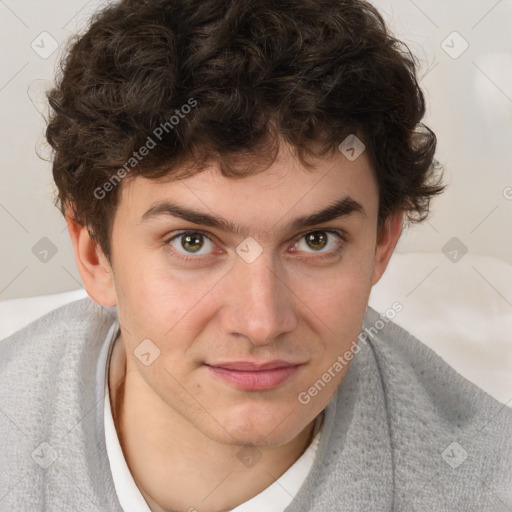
(259, 304)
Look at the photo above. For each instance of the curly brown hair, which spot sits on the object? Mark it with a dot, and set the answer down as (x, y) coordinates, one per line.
(252, 73)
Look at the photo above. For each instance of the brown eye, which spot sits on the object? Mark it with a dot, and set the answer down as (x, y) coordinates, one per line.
(193, 242)
(322, 241)
(317, 240)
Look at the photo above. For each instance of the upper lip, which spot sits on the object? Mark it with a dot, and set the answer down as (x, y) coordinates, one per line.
(254, 366)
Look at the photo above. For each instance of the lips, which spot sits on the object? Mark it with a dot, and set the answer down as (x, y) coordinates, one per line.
(253, 366)
(252, 376)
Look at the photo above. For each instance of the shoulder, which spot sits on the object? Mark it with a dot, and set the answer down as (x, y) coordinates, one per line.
(52, 374)
(411, 369)
(58, 347)
(50, 355)
(449, 436)
(43, 338)
(54, 349)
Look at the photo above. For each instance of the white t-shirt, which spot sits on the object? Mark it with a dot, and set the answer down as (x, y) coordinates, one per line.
(275, 498)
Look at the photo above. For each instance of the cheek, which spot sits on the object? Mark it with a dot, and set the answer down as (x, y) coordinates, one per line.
(155, 300)
(343, 282)
(338, 299)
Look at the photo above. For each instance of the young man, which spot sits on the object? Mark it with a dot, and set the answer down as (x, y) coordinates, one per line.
(235, 177)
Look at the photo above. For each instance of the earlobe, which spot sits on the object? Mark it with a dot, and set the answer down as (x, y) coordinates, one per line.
(92, 264)
(386, 243)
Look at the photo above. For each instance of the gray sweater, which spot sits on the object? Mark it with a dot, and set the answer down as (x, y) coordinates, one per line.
(404, 431)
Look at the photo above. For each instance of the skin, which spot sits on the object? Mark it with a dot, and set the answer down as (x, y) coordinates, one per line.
(174, 417)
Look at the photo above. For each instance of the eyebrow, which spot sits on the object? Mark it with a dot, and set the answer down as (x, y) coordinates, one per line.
(341, 208)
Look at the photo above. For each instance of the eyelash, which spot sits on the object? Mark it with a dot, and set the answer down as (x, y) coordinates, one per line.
(324, 255)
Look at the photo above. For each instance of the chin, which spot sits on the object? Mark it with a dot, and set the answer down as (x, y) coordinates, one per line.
(266, 427)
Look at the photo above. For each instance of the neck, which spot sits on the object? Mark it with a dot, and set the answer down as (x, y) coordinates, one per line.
(174, 465)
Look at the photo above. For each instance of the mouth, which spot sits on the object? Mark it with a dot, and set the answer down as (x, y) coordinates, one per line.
(252, 376)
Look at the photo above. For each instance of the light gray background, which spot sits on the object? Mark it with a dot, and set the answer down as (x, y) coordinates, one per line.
(469, 107)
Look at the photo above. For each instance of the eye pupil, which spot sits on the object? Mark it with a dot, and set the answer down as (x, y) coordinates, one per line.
(316, 240)
(192, 242)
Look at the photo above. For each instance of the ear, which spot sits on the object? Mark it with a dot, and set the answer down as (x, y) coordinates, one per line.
(386, 242)
(92, 264)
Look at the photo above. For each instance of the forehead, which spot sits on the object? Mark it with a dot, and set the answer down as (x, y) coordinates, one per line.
(283, 191)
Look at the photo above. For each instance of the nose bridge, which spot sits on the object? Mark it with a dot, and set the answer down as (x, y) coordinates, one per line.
(260, 280)
(261, 308)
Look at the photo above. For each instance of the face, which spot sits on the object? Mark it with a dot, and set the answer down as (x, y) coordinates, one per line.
(246, 295)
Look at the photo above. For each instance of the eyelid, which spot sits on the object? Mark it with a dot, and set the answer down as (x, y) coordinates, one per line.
(340, 233)
(184, 256)
(336, 231)
(168, 238)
